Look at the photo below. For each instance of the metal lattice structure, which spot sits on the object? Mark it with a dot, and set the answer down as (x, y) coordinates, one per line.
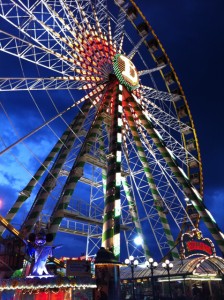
(124, 156)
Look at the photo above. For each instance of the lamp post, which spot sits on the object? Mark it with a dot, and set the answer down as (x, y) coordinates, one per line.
(167, 265)
(151, 264)
(132, 263)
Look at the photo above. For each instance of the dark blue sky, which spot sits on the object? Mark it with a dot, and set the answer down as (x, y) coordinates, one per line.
(192, 34)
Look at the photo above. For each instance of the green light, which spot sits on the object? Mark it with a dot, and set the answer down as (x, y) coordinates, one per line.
(128, 76)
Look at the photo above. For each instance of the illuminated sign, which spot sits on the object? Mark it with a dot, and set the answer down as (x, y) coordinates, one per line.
(125, 71)
(193, 243)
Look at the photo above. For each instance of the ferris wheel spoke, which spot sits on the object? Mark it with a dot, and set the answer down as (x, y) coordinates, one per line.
(119, 26)
(135, 50)
(161, 116)
(102, 12)
(174, 145)
(150, 92)
(67, 57)
(96, 92)
(58, 83)
(82, 46)
(30, 26)
(161, 120)
(34, 54)
(79, 33)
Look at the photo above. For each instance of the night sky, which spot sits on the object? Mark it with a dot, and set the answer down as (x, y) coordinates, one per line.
(192, 34)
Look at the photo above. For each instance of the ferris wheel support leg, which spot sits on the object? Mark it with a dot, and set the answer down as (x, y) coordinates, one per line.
(26, 192)
(58, 214)
(76, 173)
(182, 178)
(150, 179)
(49, 183)
(112, 209)
(134, 213)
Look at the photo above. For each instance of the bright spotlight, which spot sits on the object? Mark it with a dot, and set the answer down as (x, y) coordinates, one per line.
(138, 240)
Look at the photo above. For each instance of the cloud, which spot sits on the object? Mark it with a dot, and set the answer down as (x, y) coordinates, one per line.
(18, 165)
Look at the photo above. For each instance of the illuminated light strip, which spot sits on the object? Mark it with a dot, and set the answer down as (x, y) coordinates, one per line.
(9, 226)
(111, 221)
(199, 264)
(80, 78)
(171, 153)
(121, 44)
(102, 45)
(209, 278)
(88, 86)
(4, 221)
(97, 21)
(86, 34)
(155, 194)
(184, 174)
(15, 231)
(85, 19)
(111, 49)
(187, 187)
(58, 55)
(23, 285)
(117, 209)
(88, 71)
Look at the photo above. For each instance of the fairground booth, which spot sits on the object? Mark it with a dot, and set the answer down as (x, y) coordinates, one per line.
(199, 272)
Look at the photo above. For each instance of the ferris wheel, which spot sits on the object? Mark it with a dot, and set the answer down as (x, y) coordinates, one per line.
(99, 128)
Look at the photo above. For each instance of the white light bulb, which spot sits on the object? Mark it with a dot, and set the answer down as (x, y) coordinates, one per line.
(155, 264)
(167, 261)
(146, 263)
(135, 262)
(127, 261)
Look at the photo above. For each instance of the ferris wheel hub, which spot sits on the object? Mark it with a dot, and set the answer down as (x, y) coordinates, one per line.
(126, 71)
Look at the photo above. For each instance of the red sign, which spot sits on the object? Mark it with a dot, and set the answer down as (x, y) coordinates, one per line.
(193, 243)
(199, 246)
